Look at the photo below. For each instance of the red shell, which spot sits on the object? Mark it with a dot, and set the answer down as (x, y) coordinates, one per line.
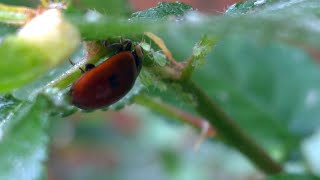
(106, 83)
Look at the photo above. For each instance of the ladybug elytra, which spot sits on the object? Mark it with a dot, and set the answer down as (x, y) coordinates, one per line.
(108, 82)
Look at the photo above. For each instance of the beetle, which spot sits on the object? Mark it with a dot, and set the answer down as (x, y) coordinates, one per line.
(105, 84)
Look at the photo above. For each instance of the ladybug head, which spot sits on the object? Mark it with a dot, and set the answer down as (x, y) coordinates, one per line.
(126, 45)
(123, 45)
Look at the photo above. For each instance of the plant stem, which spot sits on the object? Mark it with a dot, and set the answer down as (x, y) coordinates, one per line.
(72, 74)
(229, 130)
(173, 112)
(14, 14)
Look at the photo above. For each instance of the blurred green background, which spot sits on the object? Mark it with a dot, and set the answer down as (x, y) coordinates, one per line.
(270, 87)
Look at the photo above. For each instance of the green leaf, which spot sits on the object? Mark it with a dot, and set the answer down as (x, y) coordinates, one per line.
(23, 143)
(285, 176)
(263, 84)
(6, 29)
(295, 22)
(265, 87)
(20, 3)
(247, 6)
(266, 124)
(270, 88)
(8, 106)
(164, 10)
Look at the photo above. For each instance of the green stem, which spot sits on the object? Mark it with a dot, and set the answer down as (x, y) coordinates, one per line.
(229, 130)
(172, 112)
(70, 76)
(14, 14)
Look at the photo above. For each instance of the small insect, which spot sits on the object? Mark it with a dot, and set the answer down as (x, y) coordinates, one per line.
(108, 82)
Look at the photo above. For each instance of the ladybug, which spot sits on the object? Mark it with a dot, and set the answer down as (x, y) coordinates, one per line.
(108, 82)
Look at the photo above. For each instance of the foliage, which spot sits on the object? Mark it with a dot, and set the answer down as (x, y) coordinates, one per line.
(253, 62)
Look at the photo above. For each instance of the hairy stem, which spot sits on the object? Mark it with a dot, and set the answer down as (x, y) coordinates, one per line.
(226, 128)
(229, 130)
(176, 113)
(16, 15)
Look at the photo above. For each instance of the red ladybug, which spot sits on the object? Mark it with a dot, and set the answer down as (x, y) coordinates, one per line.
(108, 82)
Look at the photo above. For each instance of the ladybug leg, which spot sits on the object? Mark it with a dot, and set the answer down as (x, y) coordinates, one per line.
(113, 46)
(72, 63)
(126, 45)
(123, 45)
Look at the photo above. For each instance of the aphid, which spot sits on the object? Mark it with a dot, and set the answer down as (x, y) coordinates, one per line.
(108, 82)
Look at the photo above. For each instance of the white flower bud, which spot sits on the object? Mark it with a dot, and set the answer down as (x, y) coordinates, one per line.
(50, 32)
